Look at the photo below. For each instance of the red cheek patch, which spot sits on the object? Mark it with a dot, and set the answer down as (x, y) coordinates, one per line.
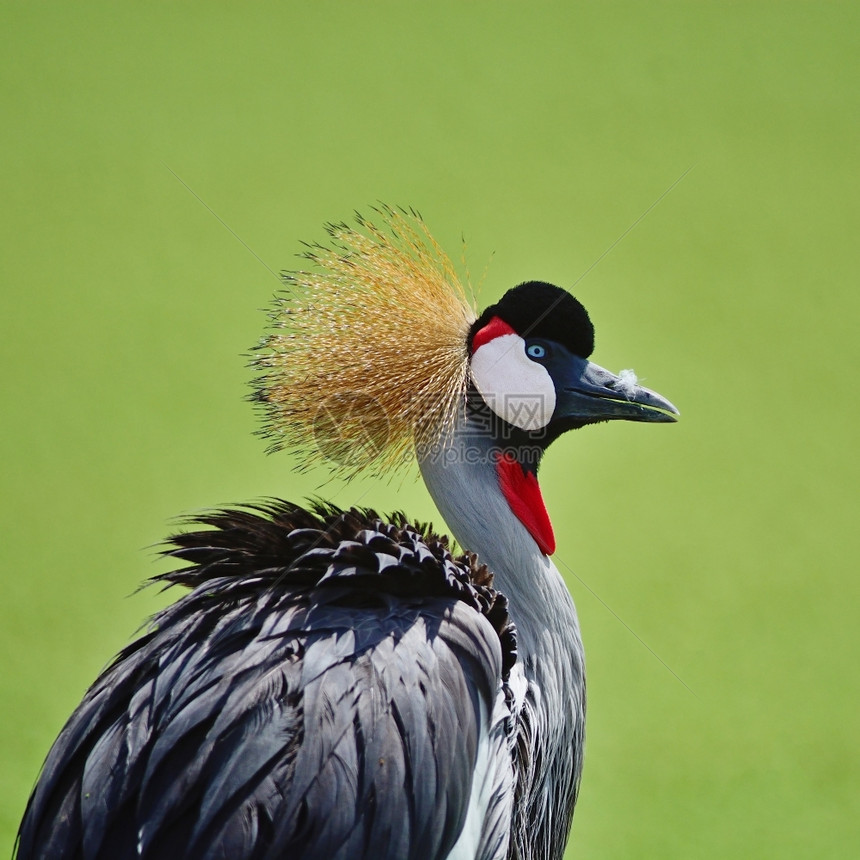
(521, 490)
(493, 329)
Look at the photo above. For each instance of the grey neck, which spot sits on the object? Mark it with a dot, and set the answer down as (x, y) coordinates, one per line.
(461, 477)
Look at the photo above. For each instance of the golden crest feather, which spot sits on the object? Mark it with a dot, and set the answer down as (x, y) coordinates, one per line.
(368, 357)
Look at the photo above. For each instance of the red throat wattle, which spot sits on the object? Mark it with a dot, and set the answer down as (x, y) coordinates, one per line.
(520, 489)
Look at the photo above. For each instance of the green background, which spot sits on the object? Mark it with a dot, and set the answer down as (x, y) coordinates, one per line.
(542, 132)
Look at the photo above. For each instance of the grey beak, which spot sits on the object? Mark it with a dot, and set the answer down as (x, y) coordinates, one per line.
(590, 393)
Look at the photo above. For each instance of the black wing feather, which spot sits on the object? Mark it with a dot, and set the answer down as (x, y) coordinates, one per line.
(318, 693)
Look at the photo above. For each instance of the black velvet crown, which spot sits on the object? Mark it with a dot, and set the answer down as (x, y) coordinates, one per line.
(538, 309)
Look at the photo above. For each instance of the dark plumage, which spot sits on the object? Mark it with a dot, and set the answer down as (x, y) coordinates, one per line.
(262, 716)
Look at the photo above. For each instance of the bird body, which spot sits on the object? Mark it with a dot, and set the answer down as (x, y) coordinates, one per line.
(335, 685)
(319, 655)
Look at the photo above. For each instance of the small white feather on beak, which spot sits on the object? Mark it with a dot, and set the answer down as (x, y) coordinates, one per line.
(627, 382)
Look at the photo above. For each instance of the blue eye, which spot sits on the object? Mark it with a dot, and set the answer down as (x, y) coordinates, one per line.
(535, 350)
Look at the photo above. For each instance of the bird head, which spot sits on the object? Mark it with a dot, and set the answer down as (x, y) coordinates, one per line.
(374, 349)
(529, 363)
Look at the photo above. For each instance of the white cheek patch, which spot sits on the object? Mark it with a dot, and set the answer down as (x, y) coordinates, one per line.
(516, 388)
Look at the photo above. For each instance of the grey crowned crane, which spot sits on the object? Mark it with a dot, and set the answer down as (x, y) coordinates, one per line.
(338, 685)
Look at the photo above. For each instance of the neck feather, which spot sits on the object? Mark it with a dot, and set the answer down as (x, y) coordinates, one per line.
(462, 477)
(463, 480)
